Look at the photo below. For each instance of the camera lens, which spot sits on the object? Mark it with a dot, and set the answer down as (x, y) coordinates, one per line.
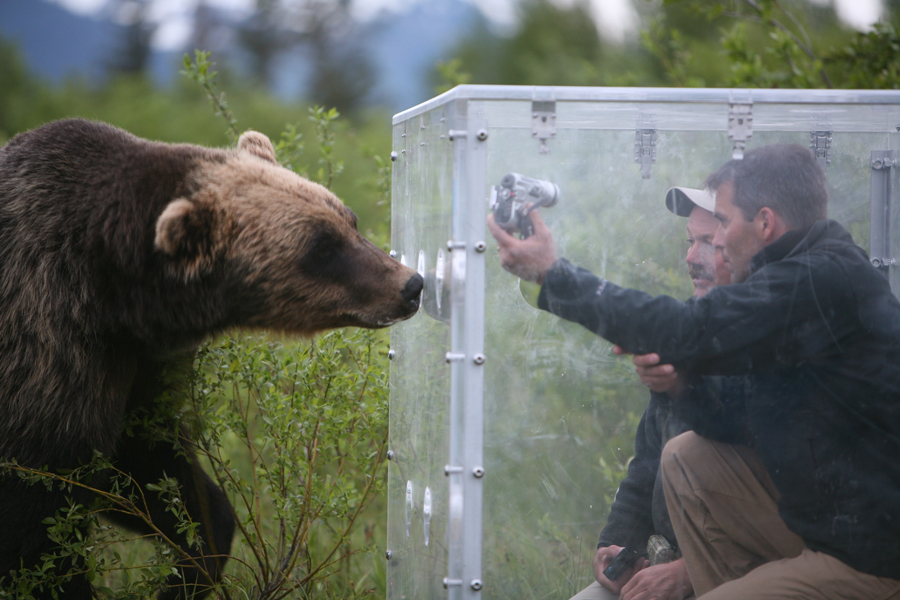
(503, 212)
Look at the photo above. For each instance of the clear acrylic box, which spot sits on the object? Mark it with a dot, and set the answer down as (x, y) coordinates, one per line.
(510, 428)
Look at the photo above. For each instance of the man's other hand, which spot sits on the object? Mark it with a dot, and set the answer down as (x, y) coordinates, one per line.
(669, 581)
(657, 377)
(605, 556)
(528, 259)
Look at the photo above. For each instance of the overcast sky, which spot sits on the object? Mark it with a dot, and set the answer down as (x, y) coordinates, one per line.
(614, 17)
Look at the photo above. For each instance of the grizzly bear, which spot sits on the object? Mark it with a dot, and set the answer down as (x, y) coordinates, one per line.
(119, 255)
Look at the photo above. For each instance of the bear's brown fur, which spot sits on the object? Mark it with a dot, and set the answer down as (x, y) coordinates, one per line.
(117, 254)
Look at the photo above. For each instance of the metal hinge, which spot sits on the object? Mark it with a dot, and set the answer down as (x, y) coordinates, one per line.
(880, 195)
(820, 144)
(645, 150)
(543, 122)
(880, 163)
(740, 127)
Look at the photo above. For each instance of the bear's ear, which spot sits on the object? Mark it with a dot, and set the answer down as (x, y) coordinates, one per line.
(258, 145)
(182, 229)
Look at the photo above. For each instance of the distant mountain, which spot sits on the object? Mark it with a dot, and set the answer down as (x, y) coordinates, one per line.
(57, 44)
(403, 48)
(406, 47)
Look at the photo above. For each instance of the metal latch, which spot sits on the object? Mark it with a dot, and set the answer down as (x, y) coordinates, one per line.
(740, 127)
(645, 150)
(820, 144)
(880, 195)
(543, 122)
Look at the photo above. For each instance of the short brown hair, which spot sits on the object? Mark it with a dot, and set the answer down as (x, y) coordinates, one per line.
(784, 177)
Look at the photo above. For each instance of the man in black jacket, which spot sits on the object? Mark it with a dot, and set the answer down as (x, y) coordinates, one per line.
(817, 330)
(639, 510)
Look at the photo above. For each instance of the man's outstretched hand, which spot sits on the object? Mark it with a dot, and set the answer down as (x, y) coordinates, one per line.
(657, 377)
(528, 259)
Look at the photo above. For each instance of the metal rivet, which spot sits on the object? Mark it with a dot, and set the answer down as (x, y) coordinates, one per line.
(478, 472)
(391, 354)
(476, 584)
(480, 247)
(482, 134)
(390, 455)
(393, 254)
(479, 359)
(393, 156)
(388, 554)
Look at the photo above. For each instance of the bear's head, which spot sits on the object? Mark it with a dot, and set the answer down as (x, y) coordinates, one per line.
(286, 250)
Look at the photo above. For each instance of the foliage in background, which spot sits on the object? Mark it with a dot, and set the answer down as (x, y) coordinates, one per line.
(696, 43)
(773, 43)
(552, 44)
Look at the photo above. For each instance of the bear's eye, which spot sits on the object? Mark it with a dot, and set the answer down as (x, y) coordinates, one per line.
(325, 246)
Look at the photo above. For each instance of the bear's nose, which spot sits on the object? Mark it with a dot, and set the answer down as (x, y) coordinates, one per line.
(411, 291)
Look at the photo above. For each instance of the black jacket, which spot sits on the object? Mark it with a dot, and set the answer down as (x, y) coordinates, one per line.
(639, 509)
(817, 330)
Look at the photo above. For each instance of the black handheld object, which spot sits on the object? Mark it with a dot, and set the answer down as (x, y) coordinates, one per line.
(516, 196)
(623, 560)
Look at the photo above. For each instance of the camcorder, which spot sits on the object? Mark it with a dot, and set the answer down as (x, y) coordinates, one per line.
(622, 562)
(515, 197)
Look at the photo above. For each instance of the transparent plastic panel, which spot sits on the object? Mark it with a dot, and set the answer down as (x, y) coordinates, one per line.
(420, 384)
(560, 409)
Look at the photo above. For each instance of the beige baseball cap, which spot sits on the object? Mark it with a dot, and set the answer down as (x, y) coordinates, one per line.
(681, 200)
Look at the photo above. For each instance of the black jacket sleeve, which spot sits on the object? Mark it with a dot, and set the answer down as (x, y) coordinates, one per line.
(630, 521)
(730, 331)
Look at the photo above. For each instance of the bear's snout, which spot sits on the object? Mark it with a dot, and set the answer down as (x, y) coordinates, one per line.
(412, 292)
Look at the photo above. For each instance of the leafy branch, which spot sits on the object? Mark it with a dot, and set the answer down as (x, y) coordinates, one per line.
(199, 70)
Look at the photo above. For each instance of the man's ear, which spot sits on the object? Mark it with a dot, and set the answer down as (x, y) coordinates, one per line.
(258, 145)
(770, 225)
(183, 229)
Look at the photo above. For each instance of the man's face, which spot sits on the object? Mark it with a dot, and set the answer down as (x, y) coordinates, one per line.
(738, 238)
(704, 262)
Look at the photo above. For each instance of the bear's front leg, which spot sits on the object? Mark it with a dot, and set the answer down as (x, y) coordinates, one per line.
(203, 499)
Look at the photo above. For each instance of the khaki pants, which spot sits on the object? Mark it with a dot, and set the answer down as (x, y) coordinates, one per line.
(595, 591)
(724, 512)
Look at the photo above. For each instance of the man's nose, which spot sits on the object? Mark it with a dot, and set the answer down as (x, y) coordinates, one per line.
(718, 240)
(692, 255)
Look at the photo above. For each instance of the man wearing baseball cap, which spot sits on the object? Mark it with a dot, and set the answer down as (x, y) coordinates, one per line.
(815, 329)
(638, 519)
